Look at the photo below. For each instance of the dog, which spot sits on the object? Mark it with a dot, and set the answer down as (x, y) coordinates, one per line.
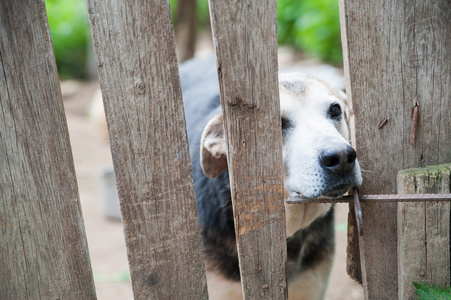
(318, 163)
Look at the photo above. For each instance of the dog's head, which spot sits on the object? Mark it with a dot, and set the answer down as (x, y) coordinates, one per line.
(318, 159)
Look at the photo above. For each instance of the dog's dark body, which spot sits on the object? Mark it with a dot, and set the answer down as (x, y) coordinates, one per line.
(306, 249)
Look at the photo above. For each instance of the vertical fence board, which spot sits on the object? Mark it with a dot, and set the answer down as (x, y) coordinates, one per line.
(246, 51)
(396, 54)
(134, 44)
(423, 230)
(43, 250)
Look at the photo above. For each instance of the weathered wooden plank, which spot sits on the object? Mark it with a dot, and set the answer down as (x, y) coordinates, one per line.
(43, 250)
(246, 53)
(138, 71)
(353, 265)
(396, 54)
(423, 231)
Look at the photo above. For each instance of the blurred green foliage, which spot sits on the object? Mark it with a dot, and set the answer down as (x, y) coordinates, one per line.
(69, 27)
(310, 25)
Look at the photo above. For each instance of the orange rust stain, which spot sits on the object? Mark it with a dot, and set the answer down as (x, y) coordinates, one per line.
(251, 212)
(4, 225)
(254, 215)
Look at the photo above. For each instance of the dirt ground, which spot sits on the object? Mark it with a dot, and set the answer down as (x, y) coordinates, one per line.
(105, 236)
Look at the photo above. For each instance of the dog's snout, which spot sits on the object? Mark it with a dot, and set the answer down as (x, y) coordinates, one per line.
(339, 161)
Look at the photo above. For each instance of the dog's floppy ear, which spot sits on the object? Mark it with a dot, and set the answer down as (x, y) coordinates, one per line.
(213, 150)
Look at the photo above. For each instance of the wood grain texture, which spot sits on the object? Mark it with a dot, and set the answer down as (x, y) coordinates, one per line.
(43, 250)
(396, 54)
(246, 52)
(138, 71)
(353, 266)
(423, 230)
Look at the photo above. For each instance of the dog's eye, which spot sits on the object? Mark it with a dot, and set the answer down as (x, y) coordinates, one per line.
(335, 111)
(286, 125)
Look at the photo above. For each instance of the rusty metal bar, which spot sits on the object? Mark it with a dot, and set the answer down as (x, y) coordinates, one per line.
(374, 198)
(371, 198)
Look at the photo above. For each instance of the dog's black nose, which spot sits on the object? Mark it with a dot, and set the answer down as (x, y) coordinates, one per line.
(339, 161)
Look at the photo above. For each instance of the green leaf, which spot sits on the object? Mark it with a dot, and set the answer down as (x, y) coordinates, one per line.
(426, 292)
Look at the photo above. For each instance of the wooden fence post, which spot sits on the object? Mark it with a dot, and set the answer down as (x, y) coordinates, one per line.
(246, 52)
(43, 249)
(423, 230)
(138, 71)
(396, 56)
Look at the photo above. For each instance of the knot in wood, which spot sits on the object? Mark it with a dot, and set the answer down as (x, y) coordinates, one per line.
(141, 88)
(152, 279)
(241, 102)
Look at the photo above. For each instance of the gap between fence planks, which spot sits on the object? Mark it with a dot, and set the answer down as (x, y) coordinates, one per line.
(423, 231)
(138, 71)
(43, 249)
(395, 55)
(245, 41)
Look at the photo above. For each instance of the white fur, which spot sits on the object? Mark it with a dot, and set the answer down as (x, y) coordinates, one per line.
(305, 102)
(312, 132)
(220, 288)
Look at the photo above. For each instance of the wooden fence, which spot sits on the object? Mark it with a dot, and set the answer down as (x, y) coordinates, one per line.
(396, 54)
